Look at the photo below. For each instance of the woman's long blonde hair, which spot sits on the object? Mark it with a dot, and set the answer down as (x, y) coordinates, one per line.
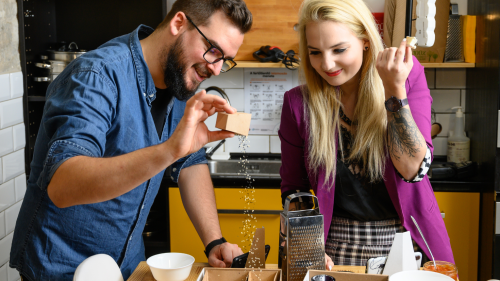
(322, 101)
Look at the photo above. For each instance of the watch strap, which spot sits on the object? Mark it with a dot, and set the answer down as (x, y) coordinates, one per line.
(404, 102)
(214, 243)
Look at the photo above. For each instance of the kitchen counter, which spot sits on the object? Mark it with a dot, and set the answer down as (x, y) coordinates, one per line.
(143, 273)
(469, 185)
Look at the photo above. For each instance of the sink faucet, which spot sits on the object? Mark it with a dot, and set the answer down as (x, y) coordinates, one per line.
(211, 150)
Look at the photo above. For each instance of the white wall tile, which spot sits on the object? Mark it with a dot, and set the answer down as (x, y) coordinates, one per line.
(1, 171)
(11, 112)
(275, 144)
(19, 136)
(232, 79)
(7, 195)
(440, 145)
(462, 6)
(13, 165)
(430, 75)
(256, 144)
(237, 98)
(210, 122)
(20, 186)
(6, 141)
(4, 87)
(444, 120)
(3, 272)
(2, 225)
(453, 78)
(11, 217)
(16, 85)
(5, 248)
(12, 274)
(444, 100)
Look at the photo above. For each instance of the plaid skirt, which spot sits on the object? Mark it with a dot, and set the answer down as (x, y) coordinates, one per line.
(352, 242)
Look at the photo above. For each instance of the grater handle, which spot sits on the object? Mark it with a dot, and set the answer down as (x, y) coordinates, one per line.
(290, 197)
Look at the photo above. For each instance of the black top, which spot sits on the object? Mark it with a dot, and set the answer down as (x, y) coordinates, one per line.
(159, 109)
(355, 196)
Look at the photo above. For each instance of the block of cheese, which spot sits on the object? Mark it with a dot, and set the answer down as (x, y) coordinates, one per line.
(411, 42)
(238, 122)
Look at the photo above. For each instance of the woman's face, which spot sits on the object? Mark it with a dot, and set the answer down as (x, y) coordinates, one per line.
(334, 51)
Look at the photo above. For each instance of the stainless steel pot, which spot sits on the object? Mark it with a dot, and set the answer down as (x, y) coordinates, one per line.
(67, 56)
(55, 67)
(56, 61)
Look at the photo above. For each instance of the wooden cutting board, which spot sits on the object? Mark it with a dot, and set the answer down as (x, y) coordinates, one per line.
(273, 22)
(143, 273)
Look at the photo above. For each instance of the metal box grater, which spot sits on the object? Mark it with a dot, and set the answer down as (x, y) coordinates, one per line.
(302, 244)
(454, 50)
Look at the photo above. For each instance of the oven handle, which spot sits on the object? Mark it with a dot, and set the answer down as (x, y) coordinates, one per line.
(255, 212)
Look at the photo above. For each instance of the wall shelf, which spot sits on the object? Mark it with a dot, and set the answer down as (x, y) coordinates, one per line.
(256, 64)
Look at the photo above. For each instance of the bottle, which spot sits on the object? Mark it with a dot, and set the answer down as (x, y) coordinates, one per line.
(458, 143)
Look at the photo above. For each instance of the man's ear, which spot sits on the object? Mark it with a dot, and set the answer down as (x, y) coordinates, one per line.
(178, 23)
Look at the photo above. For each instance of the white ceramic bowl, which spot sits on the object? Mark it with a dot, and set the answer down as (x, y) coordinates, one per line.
(170, 266)
(419, 275)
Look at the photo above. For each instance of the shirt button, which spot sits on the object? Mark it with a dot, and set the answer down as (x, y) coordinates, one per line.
(144, 94)
(174, 169)
(142, 206)
(151, 95)
(172, 177)
(130, 238)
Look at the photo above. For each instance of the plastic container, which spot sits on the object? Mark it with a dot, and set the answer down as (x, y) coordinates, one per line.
(458, 143)
(443, 267)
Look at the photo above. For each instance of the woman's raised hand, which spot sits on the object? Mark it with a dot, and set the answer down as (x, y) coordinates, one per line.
(394, 66)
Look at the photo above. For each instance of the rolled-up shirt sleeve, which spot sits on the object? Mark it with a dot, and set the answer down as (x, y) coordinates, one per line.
(196, 158)
(77, 116)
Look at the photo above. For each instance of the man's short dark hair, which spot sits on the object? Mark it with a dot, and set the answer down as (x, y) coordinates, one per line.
(199, 11)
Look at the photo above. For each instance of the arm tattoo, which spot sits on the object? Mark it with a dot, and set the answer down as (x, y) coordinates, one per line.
(403, 134)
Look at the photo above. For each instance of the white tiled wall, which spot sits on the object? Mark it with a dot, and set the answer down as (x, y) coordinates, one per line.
(447, 90)
(12, 176)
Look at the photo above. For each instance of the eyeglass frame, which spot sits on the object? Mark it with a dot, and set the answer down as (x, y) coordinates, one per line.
(213, 46)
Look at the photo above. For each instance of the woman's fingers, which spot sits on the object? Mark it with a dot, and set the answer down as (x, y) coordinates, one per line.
(328, 262)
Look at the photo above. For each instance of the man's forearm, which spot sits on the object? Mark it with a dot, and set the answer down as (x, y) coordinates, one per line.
(198, 197)
(87, 180)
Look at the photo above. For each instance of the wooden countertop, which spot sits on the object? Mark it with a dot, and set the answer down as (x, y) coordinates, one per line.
(143, 273)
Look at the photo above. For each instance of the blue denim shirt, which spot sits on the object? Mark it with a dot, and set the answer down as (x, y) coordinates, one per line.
(99, 106)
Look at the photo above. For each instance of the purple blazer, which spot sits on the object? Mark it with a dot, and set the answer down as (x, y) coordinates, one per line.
(409, 199)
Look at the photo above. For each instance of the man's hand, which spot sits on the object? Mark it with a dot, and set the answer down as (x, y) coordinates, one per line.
(191, 133)
(328, 262)
(222, 255)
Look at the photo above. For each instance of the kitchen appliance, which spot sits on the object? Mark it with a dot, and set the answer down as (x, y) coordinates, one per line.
(301, 241)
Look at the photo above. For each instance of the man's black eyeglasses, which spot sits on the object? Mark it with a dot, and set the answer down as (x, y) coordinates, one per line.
(214, 54)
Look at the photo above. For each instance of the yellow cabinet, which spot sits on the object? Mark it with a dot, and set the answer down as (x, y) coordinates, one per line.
(230, 205)
(461, 217)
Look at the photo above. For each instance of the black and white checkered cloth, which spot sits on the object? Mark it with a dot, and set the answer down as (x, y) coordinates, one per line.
(352, 242)
(424, 167)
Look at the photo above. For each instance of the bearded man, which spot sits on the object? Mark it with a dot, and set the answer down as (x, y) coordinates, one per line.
(113, 121)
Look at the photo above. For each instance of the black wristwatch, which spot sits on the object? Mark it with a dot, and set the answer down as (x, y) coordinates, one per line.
(212, 244)
(394, 104)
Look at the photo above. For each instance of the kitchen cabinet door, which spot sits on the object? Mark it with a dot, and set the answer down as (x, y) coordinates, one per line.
(461, 217)
(230, 205)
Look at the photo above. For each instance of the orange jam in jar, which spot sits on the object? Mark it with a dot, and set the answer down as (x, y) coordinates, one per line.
(443, 267)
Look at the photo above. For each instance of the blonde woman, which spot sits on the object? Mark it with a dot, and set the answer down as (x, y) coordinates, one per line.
(358, 134)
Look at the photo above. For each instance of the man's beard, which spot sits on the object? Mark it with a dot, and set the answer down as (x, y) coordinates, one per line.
(175, 68)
